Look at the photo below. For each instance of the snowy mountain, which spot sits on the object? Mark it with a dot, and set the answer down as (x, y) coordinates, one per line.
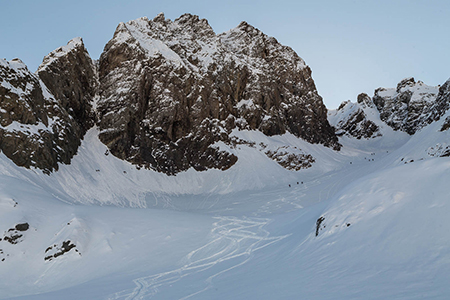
(409, 108)
(186, 164)
(173, 91)
(167, 94)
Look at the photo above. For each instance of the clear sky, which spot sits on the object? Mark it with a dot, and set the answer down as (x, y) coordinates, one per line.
(352, 46)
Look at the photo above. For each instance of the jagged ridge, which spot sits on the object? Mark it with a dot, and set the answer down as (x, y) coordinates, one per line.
(409, 107)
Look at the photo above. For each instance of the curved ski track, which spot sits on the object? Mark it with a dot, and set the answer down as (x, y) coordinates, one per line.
(234, 241)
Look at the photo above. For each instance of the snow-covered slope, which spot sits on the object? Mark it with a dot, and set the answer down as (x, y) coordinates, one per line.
(245, 233)
(107, 180)
(104, 241)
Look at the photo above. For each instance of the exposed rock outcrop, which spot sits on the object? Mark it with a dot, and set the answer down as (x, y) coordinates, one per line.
(44, 116)
(439, 150)
(171, 89)
(351, 119)
(410, 106)
(70, 75)
(364, 100)
(446, 124)
(15, 235)
(442, 105)
(35, 129)
(291, 158)
(56, 250)
(320, 225)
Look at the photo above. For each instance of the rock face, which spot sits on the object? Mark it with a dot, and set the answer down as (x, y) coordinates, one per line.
(351, 119)
(443, 104)
(70, 75)
(44, 116)
(56, 250)
(15, 235)
(170, 90)
(35, 129)
(291, 159)
(410, 106)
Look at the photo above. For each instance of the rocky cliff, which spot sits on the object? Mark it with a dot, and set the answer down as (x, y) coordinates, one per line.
(443, 104)
(352, 119)
(70, 75)
(171, 89)
(45, 115)
(409, 107)
(35, 129)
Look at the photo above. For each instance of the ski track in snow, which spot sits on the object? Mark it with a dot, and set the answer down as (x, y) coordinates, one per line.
(233, 239)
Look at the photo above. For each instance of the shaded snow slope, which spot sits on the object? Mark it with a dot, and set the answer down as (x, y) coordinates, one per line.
(97, 177)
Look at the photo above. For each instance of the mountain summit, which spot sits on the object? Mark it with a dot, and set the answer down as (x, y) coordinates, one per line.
(167, 93)
(171, 90)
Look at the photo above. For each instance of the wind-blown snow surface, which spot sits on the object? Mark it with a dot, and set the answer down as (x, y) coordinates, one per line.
(243, 233)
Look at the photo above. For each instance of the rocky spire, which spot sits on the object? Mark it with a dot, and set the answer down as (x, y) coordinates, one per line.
(70, 75)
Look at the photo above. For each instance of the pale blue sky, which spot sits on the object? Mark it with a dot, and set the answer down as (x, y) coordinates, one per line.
(351, 46)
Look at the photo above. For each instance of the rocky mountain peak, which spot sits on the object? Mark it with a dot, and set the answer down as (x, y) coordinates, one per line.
(351, 119)
(442, 105)
(35, 129)
(409, 107)
(171, 90)
(159, 17)
(406, 82)
(71, 77)
(249, 43)
(16, 64)
(248, 29)
(444, 91)
(198, 26)
(21, 95)
(364, 100)
(251, 32)
(75, 44)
